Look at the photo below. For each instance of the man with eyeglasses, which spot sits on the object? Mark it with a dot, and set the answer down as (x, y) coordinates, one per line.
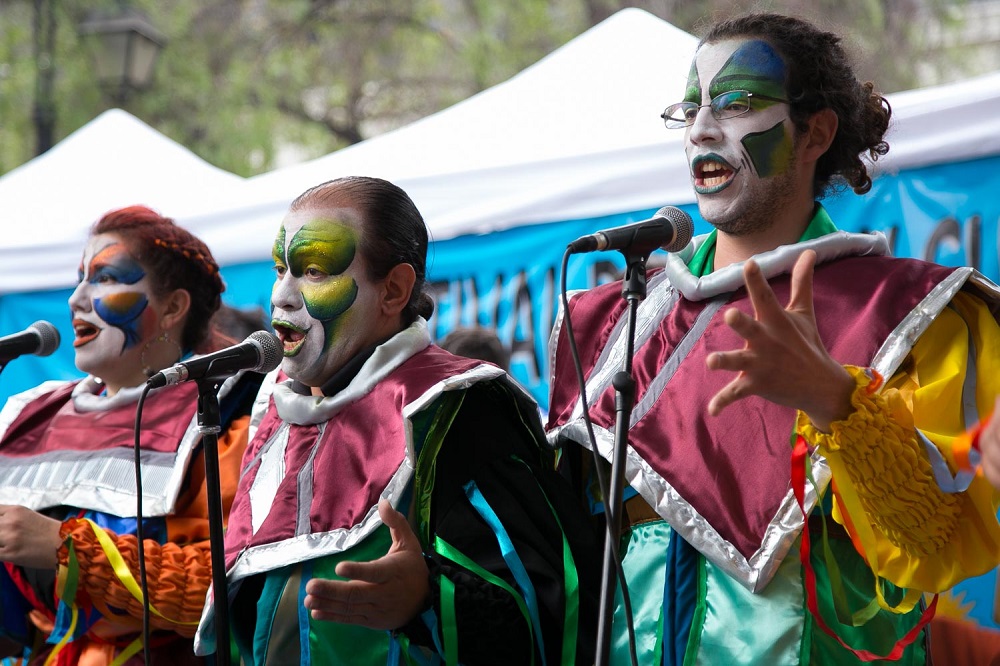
(785, 367)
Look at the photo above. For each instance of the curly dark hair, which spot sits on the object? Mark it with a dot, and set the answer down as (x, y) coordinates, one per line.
(394, 230)
(175, 259)
(820, 76)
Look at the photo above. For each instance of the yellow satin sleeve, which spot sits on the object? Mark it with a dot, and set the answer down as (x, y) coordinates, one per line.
(909, 532)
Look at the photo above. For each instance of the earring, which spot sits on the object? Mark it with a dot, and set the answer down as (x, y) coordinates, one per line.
(162, 337)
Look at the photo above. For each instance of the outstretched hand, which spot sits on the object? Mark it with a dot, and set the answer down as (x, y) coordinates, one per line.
(784, 359)
(382, 594)
(27, 538)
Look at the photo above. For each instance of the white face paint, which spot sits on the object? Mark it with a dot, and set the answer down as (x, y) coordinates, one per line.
(324, 306)
(112, 311)
(742, 168)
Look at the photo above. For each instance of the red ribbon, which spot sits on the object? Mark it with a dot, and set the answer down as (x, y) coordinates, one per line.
(799, 453)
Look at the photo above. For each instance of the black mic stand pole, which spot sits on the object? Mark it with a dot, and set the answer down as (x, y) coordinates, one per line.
(210, 425)
(633, 291)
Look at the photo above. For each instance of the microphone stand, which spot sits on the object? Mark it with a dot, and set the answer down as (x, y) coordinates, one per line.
(633, 291)
(210, 425)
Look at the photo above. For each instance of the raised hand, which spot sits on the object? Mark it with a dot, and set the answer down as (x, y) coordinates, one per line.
(784, 359)
(27, 538)
(382, 594)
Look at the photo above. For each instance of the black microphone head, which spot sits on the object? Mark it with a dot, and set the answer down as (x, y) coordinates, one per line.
(682, 224)
(271, 351)
(48, 336)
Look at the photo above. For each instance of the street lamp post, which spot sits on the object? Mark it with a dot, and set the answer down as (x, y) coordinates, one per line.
(44, 111)
(127, 46)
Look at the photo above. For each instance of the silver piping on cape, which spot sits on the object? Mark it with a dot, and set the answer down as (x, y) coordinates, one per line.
(779, 536)
(304, 481)
(691, 336)
(271, 459)
(96, 480)
(900, 341)
(660, 300)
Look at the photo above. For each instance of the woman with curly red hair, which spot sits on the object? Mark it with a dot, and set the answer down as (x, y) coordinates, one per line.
(146, 296)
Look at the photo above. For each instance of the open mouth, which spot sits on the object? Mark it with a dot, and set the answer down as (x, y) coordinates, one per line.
(84, 332)
(292, 337)
(712, 174)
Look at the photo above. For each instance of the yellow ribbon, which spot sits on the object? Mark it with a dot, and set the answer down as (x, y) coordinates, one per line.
(123, 572)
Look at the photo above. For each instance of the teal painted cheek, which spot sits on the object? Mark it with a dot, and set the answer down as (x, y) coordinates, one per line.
(770, 151)
(327, 301)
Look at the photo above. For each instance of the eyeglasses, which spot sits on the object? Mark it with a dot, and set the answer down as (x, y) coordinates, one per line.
(724, 106)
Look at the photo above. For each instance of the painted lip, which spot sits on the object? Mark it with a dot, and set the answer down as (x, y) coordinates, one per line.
(85, 332)
(292, 337)
(698, 174)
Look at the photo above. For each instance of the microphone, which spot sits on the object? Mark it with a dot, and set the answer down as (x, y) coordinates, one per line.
(41, 339)
(260, 352)
(670, 229)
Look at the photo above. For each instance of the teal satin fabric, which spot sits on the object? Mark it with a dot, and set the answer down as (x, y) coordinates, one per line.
(644, 573)
(285, 633)
(739, 627)
(742, 628)
(734, 626)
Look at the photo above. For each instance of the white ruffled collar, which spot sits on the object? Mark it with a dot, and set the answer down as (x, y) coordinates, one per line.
(778, 261)
(88, 396)
(301, 409)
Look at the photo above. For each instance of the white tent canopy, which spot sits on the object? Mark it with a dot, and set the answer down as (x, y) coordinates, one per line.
(575, 135)
(949, 123)
(48, 204)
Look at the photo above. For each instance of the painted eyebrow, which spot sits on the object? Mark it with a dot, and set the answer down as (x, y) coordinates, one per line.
(128, 271)
(313, 246)
(726, 83)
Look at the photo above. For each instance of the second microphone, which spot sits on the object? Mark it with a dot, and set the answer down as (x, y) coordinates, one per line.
(260, 352)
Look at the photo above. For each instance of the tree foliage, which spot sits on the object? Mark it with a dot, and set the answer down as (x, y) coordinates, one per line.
(249, 84)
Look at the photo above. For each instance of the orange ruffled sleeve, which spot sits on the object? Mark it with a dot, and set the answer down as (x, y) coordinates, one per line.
(179, 572)
(178, 578)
